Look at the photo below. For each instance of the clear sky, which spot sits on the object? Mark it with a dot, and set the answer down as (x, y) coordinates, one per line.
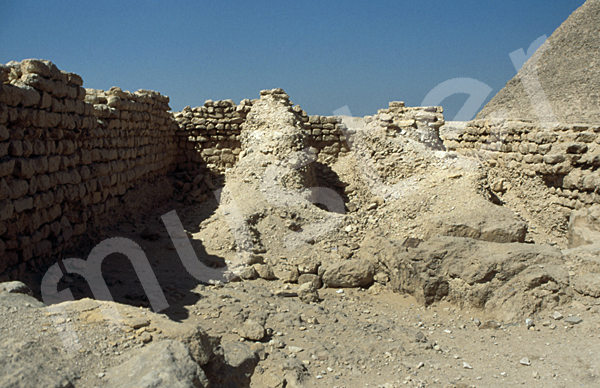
(324, 54)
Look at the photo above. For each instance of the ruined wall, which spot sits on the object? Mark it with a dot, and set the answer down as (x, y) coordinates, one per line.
(69, 157)
(566, 156)
(417, 123)
(209, 135)
(66, 157)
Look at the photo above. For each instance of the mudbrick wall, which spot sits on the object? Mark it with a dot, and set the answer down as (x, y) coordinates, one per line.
(67, 156)
(567, 156)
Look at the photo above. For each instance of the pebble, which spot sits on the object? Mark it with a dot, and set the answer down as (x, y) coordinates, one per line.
(525, 361)
(574, 320)
(557, 316)
(529, 323)
(467, 366)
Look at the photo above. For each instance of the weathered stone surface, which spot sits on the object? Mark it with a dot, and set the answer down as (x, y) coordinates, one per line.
(161, 364)
(509, 279)
(557, 66)
(265, 271)
(349, 273)
(584, 226)
(307, 292)
(15, 287)
(310, 278)
(482, 221)
(25, 367)
(252, 330)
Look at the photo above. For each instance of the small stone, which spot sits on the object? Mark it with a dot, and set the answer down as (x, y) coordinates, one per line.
(557, 316)
(525, 361)
(573, 320)
(145, 337)
(490, 325)
(136, 323)
(467, 366)
(307, 293)
(252, 331)
(295, 349)
(529, 323)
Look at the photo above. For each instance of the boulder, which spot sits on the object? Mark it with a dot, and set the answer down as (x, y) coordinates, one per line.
(15, 287)
(265, 271)
(482, 221)
(510, 279)
(349, 273)
(584, 226)
(585, 271)
(162, 364)
(307, 292)
(252, 331)
(310, 278)
(26, 367)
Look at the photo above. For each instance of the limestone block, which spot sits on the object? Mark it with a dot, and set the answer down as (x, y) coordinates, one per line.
(586, 137)
(18, 188)
(576, 148)
(554, 158)
(10, 95)
(7, 167)
(29, 96)
(24, 168)
(22, 204)
(39, 67)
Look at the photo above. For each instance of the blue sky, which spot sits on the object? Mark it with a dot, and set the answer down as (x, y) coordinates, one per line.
(325, 55)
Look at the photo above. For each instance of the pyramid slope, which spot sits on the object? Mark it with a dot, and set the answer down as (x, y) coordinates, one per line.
(567, 67)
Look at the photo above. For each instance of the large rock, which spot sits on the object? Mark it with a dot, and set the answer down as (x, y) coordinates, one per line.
(235, 369)
(482, 221)
(509, 279)
(22, 365)
(252, 330)
(349, 273)
(584, 226)
(200, 345)
(585, 268)
(161, 364)
(307, 292)
(15, 287)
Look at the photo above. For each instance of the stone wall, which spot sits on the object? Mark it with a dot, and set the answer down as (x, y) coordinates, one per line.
(209, 135)
(418, 123)
(67, 156)
(566, 156)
